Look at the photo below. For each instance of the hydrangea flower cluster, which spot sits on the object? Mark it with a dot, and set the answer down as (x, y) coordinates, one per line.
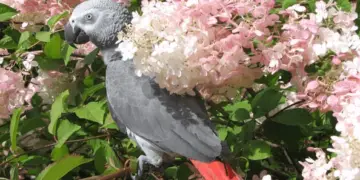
(203, 44)
(217, 46)
(33, 12)
(52, 83)
(46, 8)
(13, 94)
(335, 42)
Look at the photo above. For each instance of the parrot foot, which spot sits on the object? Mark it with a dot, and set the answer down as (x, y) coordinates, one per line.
(141, 162)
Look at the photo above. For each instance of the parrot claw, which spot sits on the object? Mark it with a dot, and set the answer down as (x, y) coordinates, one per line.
(135, 177)
(141, 161)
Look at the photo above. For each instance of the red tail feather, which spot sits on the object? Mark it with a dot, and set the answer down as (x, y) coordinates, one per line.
(216, 170)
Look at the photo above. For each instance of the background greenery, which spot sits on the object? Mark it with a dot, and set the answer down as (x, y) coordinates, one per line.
(75, 137)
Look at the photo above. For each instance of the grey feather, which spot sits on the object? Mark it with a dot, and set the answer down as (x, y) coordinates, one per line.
(177, 124)
(161, 123)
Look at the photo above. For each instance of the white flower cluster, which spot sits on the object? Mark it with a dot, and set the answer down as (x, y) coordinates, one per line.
(160, 49)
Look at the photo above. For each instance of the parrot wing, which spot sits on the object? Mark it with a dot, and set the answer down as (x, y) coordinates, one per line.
(177, 124)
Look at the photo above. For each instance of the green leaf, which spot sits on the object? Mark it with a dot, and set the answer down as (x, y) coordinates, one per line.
(265, 101)
(89, 59)
(100, 161)
(223, 132)
(93, 111)
(47, 63)
(8, 43)
(344, 5)
(35, 160)
(24, 37)
(33, 121)
(279, 133)
(312, 5)
(257, 150)
(245, 132)
(66, 52)
(36, 100)
(54, 19)
(274, 79)
(52, 49)
(14, 34)
(171, 172)
(27, 42)
(288, 3)
(60, 168)
(109, 123)
(104, 155)
(6, 12)
(59, 152)
(14, 173)
(294, 117)
(14, 125)
(240, 114)
(184, 172)
(133, 165)
(57, 108)
(241, 104)
(89, 81)
(96, 144)
(65, 130)
(43, 36)
(92, 90)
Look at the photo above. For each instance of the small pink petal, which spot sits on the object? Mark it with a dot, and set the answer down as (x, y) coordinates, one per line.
(258, 33)
(312, 85)
(332, 100)
(224, 17)
(212, 20)
(321, 98)
(336, 60)
(313, 105)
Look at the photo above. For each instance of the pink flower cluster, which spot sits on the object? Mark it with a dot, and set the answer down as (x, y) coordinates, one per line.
(45, 8)
(3, 52)
(85, 49)
(13, 94)
(51, 83)
(37, 11)
(333, 41)
(48, 7)
(216, 45)
(316, 169)
(200, 43)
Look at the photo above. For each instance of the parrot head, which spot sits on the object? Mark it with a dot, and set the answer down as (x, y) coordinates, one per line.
(98, 21)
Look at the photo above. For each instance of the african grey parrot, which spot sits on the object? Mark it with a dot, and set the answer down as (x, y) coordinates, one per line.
(163, 125)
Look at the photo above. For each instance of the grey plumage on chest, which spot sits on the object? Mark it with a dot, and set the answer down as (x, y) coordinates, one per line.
(176, 124)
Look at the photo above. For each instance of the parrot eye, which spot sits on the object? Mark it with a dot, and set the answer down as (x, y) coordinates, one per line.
(88, 16)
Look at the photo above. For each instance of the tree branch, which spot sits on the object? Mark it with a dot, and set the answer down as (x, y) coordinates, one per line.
(285, 108)
(251, 91)
(291, 160)
(51, 145)
(37, 24)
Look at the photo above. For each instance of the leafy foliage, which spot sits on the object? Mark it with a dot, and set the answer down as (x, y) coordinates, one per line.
(75, 136)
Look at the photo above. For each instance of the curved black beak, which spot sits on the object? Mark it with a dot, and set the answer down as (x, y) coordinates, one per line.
(75, 35)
